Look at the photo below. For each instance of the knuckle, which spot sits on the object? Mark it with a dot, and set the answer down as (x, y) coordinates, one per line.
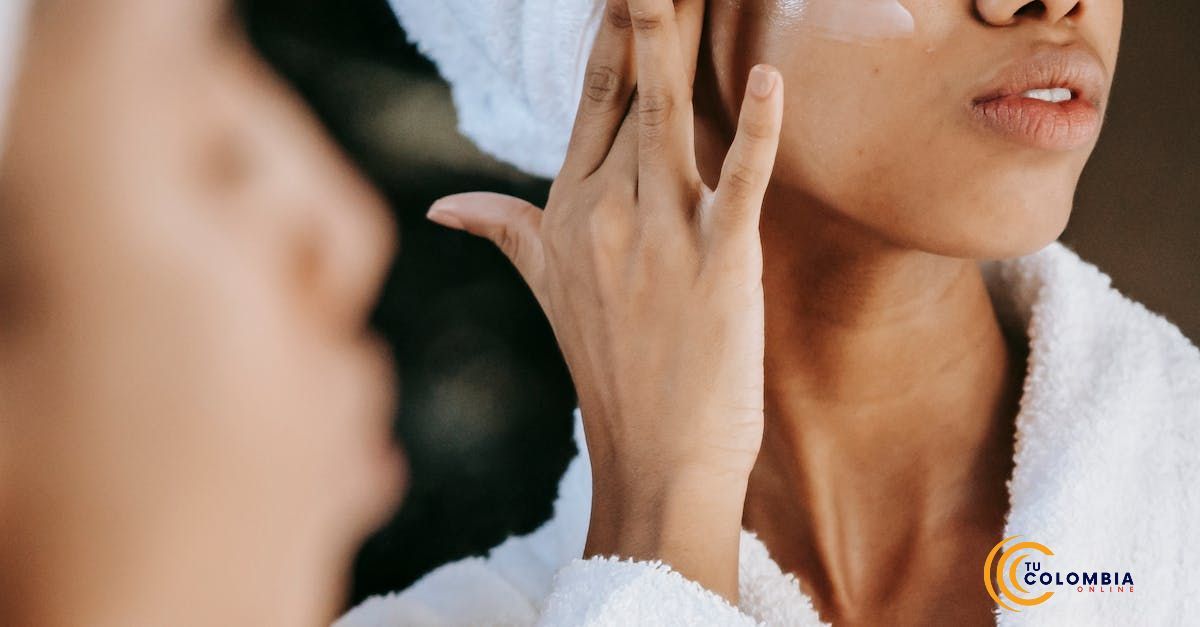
(509, 240)
(618, 16)
(646, 20)
(741, 181)
(758, 130)
(603, 86)
(655, 108)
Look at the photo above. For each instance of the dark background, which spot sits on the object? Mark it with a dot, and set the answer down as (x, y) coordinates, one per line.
(486, 402)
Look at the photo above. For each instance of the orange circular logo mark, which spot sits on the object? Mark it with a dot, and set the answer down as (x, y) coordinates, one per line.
(1004, 572)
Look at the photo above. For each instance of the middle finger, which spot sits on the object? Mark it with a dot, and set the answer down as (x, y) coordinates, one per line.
(666, 149)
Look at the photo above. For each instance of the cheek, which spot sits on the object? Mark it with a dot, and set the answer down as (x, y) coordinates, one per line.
(1108, 25)
(890, 145)
(861, 21)
(851, 110)
(965, 204)
(933, 189)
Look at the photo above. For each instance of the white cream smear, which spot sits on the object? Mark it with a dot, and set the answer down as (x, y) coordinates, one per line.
(853, 21)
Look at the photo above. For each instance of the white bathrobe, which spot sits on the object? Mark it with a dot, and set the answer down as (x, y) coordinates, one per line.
(1107, 475)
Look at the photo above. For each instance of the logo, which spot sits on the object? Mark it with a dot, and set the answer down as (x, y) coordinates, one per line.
(1016, 577)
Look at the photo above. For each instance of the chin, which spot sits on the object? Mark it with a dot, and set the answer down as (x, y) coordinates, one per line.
(1019, 209)
(1014, 212)
(1018, 220)
(997, 225)
(1016, 241)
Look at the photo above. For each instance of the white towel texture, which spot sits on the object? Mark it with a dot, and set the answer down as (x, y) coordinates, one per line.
(515, 69)
(1107, 475)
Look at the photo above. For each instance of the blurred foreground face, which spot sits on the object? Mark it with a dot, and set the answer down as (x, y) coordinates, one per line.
(195, 417)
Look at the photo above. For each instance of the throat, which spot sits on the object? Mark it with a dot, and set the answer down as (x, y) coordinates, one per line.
(889, 434)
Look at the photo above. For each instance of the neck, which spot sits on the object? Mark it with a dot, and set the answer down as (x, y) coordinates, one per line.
(890, 396)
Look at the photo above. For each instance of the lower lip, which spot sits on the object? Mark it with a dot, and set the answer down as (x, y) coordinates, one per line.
(1047, 125)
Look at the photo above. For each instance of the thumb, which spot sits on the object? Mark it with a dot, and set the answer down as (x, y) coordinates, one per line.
(510, 223)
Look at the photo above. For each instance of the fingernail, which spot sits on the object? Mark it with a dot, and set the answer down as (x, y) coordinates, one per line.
(442, 213)
(762, 81)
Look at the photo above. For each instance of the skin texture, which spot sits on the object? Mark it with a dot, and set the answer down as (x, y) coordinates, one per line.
(895, 112)
(196, 419)
(865, 21)
(889, 387)
(891, 390)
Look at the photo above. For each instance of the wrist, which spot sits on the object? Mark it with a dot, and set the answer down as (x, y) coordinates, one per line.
(690, 519)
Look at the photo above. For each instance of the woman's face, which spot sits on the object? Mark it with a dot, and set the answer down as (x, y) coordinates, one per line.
(187, 265)
(907, 116)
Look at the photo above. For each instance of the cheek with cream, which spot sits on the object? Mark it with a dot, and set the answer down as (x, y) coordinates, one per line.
(853, 21)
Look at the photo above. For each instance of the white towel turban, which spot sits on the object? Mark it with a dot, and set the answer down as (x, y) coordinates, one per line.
(515, 68)
(12, 37)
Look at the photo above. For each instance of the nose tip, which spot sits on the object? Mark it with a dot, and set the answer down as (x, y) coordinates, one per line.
(349, 253)
(1007, 12)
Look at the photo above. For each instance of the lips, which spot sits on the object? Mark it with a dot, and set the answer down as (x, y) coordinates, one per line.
(1050, 99)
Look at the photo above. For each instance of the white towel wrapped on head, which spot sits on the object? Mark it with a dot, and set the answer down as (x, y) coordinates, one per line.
(515, 69)
(12, 37)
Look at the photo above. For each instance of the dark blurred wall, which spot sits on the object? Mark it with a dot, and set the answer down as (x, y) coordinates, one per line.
(1137, 214)
(486, 403)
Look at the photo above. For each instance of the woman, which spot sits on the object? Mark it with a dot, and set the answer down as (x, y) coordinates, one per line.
(939, 374)
(194, 415)
(194, 418)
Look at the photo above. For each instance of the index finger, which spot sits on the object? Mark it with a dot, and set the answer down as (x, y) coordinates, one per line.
(607, 88)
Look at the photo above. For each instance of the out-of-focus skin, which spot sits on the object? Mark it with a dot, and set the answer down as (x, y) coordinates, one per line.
(891, 389)
(195, 418)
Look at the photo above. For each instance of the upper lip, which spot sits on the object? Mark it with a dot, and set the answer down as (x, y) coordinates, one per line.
(1075, 67)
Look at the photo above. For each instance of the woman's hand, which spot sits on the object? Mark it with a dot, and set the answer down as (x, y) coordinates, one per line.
(653, 285)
